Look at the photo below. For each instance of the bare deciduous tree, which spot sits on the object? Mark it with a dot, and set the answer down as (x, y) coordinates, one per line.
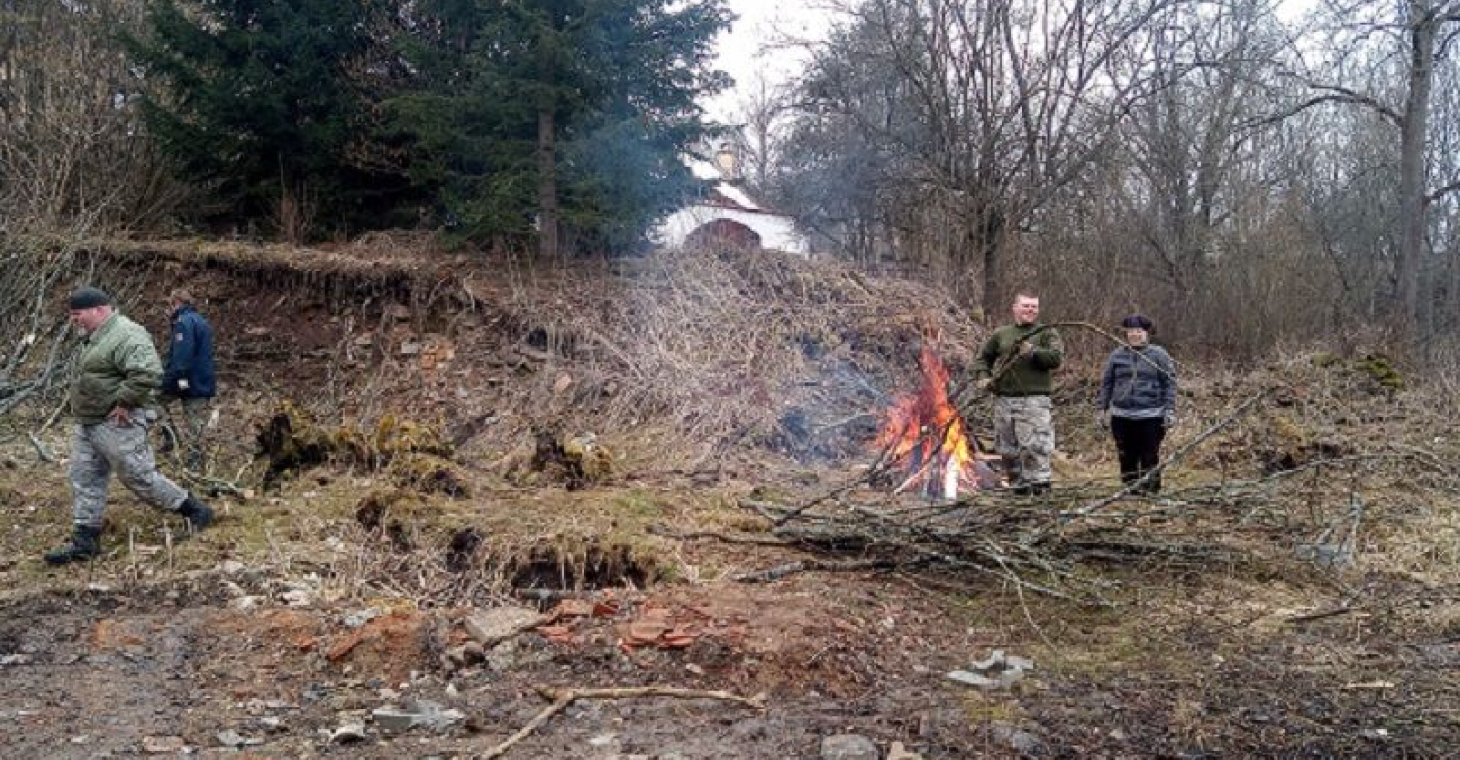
(986, 109)
(71, 151)
(1385, 57)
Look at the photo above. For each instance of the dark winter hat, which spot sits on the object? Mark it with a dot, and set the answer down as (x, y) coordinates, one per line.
(86, 298)
(1137, 321)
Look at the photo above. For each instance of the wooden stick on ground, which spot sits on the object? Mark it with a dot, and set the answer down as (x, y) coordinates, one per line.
(849, 566)
(561, 698)
(667, 532)
(40, 449)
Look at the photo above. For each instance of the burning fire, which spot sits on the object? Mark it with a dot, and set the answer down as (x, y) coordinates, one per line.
(925, 437)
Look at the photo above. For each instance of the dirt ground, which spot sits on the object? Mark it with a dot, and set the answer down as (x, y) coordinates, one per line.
(342, 587)
(135, 655)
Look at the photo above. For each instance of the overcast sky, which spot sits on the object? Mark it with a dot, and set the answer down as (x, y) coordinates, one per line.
(762, 42)
(757, 44)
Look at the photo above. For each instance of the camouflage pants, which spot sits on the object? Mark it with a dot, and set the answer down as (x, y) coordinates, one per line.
(1024, 437)
(98, 449)
(189, 426)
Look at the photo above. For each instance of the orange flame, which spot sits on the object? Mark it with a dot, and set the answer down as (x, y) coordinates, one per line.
(923, 432)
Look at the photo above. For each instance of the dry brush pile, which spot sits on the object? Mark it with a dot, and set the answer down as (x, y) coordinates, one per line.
(715, 351)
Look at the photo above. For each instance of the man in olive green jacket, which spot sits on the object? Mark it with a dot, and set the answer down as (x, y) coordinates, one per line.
(1015, 364)
(113, 395)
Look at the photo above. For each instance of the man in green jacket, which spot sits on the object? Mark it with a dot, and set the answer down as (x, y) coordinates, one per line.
(1015, 364)
(113, 392)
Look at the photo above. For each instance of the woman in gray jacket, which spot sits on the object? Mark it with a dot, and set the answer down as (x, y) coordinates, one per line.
(1137, 402)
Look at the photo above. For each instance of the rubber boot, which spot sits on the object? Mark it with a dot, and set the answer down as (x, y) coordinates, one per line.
(198, 514)
(85, 543)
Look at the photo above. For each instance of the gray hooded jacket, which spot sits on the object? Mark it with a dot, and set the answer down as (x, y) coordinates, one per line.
(1139, 383)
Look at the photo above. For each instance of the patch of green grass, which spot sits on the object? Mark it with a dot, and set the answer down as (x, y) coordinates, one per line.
(982, 710)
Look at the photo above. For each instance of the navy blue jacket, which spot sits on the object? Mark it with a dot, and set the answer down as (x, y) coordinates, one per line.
(189, 355)
(1138, 383)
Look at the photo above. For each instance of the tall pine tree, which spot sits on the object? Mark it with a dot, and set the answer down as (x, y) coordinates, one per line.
(558, 115)
(256, 100)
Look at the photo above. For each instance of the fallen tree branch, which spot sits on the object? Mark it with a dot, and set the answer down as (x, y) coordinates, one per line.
(1390, 606)
(558, 595)
(559, 704)
(772, 512)
(813, 565)
(40, 449)
(561, 698)
(1323, 614)
(666, 532)
(1180, 454)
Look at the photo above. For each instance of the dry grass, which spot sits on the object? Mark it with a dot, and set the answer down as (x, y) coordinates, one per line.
(726, 361)
(713, 348)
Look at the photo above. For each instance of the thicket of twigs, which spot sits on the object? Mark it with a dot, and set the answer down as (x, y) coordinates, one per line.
(35, 339)
(716, 350)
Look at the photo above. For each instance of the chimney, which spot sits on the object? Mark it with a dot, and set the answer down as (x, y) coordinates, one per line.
(728, 162)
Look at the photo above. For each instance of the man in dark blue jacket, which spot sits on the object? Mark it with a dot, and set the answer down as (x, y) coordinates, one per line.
(188, 377)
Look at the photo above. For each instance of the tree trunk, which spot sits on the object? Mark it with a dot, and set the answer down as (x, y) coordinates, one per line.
(1412, 205)
(990, 243)
(547, 185)
(1450, 303)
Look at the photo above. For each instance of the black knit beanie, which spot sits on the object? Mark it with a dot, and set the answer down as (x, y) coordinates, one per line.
(1137, 321)
(86, 298)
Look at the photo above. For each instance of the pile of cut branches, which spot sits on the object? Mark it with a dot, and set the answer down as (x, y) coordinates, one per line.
(1286, 471)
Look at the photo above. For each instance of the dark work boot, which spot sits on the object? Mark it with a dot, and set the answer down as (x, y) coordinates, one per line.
(198, 514)
(85, 543)
(1153, 486)
(1013, 472)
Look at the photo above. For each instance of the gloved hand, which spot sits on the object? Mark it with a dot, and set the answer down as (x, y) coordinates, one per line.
(984, 383)
(1169, 421)
(1102, 418)
(182, 385)
(1026, 348)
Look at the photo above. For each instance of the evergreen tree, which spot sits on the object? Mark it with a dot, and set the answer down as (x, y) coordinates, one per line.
(256, 100)
(541, 115)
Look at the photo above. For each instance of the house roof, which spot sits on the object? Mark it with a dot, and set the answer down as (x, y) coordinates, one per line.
(723, 191)
(704, 170)
(733, 197)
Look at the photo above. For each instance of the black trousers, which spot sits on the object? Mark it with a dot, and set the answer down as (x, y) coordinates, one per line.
(1138, 442)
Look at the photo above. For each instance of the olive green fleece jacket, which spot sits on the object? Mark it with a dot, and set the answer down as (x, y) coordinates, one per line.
(1026, 375)
(117, 366)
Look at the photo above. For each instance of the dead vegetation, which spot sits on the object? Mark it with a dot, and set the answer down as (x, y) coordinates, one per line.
(1308, 462)
(700, 427)
(715, 351)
